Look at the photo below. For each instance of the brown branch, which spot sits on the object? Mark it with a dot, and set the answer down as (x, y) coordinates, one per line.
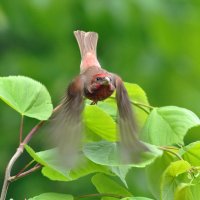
(21, 129)
(17, 154)
(21, 175)
(24, 168)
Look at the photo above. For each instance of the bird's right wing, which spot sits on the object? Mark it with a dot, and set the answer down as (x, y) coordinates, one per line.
(67, 126)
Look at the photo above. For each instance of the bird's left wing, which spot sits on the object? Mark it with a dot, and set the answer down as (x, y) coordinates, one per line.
(131, 147)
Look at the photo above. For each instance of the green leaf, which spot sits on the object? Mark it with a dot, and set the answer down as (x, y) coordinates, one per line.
(171, 179)
(106, 111)
(104, 184)
(52, 196)
(121, 172)
(109, 106)
(168, 125)
(187, 192)
(136, 198)
(191, 154)
(154, 173)
(100, 123)
(26, 96)
(192, 135)
(106, 153)
(136, 94)
(54, 170)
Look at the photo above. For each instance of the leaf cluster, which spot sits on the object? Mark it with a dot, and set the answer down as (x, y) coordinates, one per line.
(172, 168)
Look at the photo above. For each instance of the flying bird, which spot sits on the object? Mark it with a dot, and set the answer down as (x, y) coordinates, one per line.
(96, 84)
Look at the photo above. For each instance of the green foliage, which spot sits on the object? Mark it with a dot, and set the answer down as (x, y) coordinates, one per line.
(99, 126)
(106, 153)
(172, 174)
(53, 196)
(111, 187)
(171, 122)
(55, 170)
(154, 173)
(187, 192)
(171, 178)
(136, 198)
(27, 96)
(191, 153)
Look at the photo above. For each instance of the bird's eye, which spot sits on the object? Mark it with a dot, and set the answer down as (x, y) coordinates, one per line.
(98, 78)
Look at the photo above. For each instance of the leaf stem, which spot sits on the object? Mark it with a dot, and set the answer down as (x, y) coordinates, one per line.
(142, 104)
(144, 109)
(172, 152)
(21, 129)
(101, 195)
(139, 105)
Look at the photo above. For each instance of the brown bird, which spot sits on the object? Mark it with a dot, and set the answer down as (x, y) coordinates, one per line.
(96, 84)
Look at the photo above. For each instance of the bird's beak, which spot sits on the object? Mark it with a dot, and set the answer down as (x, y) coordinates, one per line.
(106, 81)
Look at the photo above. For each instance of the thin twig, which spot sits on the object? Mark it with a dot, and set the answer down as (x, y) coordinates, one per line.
(24, 168)
(101, 195)
(21, 129)
(32, 132)
(172, 152)
(33, 169)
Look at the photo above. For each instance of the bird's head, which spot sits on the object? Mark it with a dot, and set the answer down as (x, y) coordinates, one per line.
(102, 79)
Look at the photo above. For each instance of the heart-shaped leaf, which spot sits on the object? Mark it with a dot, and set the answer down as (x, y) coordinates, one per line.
(26, 96)
(168, 125)
(107, 153)
(55, 170)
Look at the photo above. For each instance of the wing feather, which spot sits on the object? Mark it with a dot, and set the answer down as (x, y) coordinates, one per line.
(130, 145)
(67, 123)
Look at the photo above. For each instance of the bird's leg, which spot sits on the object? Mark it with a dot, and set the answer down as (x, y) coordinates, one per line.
(93, 103)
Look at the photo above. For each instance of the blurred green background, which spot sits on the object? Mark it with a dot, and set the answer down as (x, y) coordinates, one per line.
(153, 43)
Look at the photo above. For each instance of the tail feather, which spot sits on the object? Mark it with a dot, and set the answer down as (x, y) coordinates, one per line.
(87, 42)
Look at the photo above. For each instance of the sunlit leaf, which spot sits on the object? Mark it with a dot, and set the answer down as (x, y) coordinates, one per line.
(168, 125)
(26, 96)
(188, 192)
(104, 184)
(121, 172)
(136, 198)
(100, 123)
(54, 170)
(170, 178)
(191, 153)
(52, 196)
(106, 153)
(154, 173)
(136, 94)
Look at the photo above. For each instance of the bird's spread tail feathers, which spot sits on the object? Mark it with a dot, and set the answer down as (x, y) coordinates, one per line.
(87, 42)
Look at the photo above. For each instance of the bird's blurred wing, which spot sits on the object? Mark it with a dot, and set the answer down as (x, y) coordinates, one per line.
(67, 122)
(131, 147)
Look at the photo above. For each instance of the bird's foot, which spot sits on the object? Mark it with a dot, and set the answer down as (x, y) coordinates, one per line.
(93, 103)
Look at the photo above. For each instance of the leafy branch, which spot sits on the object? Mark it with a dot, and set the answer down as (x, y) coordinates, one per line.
(8, 178)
